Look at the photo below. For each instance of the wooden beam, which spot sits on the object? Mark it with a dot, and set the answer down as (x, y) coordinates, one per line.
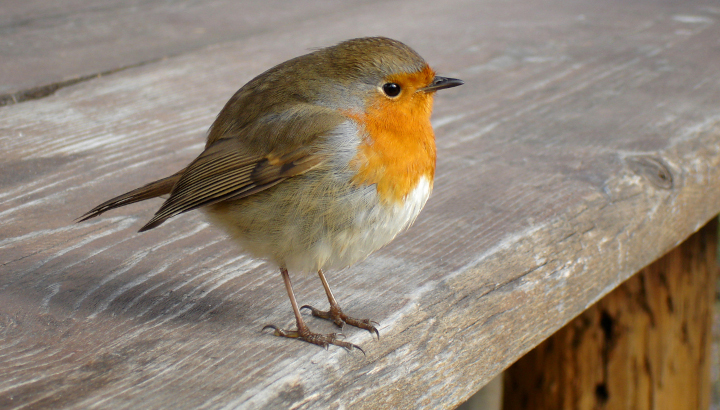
(646, 345)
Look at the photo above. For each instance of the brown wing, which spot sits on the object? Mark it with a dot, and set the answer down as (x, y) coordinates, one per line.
(245, 153)
(224, 171)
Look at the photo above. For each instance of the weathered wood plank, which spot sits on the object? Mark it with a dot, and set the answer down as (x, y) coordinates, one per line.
(646, 345)
(552, 188)
(45, 45)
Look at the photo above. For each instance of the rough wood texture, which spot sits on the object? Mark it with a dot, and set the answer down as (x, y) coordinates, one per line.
(646, 345)
(50, 44)
(584, 145)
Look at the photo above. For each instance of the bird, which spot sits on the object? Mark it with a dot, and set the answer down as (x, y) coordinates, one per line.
(313, 165)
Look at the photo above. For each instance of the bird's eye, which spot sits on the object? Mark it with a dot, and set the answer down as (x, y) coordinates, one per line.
(391, 89)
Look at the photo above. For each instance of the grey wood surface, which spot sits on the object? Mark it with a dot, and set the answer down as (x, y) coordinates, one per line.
(49, 44)
(584, 145)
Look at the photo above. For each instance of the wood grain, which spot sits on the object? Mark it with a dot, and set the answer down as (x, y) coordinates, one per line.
(584, 145)
(50, 45)
(646, 345)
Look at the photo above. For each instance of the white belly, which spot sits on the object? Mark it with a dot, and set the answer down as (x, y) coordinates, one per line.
(310, 232)
(373, 227)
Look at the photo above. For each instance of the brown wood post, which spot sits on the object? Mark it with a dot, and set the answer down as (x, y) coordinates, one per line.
(646, 345)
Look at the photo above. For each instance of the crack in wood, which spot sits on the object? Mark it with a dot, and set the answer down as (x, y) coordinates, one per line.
(36, 93)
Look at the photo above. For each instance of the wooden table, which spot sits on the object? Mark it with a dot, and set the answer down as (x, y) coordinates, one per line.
(584, 146)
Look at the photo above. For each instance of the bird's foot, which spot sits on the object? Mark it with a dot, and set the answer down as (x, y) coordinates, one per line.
(315, 338)
(336, 315)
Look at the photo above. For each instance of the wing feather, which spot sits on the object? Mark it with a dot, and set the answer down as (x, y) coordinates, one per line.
(259, 139)
(226, 174)
(240, 160)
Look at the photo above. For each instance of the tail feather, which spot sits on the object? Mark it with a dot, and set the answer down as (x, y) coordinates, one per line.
(154, 189)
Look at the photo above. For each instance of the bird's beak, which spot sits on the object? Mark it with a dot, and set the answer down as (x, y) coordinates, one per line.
(440, 83)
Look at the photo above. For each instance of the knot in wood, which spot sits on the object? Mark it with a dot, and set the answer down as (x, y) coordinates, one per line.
(653, 169)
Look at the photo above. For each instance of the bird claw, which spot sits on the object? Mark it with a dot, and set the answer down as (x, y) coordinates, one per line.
(315, 338)
(336, 315)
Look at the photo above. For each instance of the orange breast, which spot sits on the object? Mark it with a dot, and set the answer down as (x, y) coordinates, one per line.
(399, 146)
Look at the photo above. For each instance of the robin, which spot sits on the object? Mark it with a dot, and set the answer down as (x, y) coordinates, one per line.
(314, 164)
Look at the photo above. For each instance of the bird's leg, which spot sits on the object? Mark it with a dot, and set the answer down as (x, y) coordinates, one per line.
(302, 332)
(336, 314)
